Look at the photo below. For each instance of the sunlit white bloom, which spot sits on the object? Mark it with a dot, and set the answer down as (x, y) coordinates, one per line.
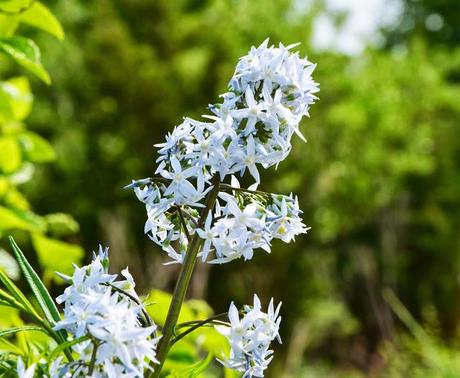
(110, 313)
(252, 113)
(250, 336)
(269, 93)
(284, 220)
(179, 184)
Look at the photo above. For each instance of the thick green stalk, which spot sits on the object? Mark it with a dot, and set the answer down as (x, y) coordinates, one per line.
(183, 282)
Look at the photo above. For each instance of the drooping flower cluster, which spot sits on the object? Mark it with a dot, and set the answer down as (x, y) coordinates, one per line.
(269, 93)
(120, 337)
(250, 337)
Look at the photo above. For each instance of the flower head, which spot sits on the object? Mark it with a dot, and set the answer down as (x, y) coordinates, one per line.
(269, 93)
(109, 314)
(250, 337)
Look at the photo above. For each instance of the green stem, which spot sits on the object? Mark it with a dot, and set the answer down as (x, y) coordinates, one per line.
(183, 282)
(197, 325)
(193, 322)
(92, 363)
(184, 224)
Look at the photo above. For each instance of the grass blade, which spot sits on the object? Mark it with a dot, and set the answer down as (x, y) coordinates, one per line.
(43, 297)
(66, 345)
(13, 330)
(38, 288)
(17, 294)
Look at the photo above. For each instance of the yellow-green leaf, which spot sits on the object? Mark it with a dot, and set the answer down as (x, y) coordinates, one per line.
(56, 256)
(60, 224)
(10, 155)
(17, 92)
(40, 17)
(158, 309)
(26, 53)
(181, 356)
(4, 186)
(13, 7)
(35, 148)
(6, 112)
(16, 200)
(8, 24)
(9, 317)
(23, 220)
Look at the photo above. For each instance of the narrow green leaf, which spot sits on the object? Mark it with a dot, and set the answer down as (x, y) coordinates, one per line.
(26, 53)
(38, 288)
(41, 17)
(8, 300)
(13, 330)
(17, 294)
(66, 345)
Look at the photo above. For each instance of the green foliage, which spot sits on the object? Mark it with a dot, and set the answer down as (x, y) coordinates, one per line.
(26, 53)
(193, 371)
(14, 302)
(13, 330)
(16, 99)
(36, 285)
(39, 16)
(415, 21)
(21, 149)
(47, 252)
(423, 353)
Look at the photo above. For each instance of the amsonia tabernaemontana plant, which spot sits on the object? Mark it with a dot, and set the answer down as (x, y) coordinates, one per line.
(198, 213)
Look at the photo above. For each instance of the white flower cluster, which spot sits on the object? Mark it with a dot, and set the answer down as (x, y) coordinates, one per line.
(271, 90)
(110, 315)
(247, 222)
(250, 337)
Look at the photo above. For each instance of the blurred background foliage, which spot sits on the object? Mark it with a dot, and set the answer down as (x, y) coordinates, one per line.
(373, 289)
(21, 149)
